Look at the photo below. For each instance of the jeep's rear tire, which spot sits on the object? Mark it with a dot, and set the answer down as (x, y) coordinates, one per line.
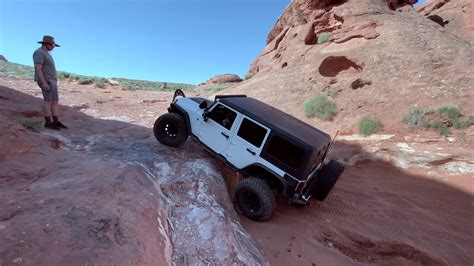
(326, 179)
(170, 129)
(255, 199)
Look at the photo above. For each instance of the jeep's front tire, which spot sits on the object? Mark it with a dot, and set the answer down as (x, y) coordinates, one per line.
(255, 199)
(170, 129)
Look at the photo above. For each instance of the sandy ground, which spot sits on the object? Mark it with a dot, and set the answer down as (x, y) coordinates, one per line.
(377, 213)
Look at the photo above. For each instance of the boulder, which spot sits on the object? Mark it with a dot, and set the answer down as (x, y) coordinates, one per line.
(225, 78)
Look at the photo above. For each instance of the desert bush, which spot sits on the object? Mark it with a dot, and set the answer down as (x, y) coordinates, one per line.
(452, 115)
(33, 126)
(8, 69)
(218, 87)
(440, 127)
(323, 37)
(85, 81)
(320, 106)
(416, 118)
(248, 75)
(470, 121)
(369, 125)
(74, 77)
(63, 75)
(440, 119)
(101, 82)
(449, 112)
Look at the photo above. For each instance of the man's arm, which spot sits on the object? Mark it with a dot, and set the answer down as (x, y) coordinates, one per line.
(39, 70)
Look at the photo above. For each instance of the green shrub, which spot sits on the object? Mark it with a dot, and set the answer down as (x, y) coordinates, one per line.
(416, 118)
(8, 69)
(33, 126)
(369, 125)
(248, 75)
(101, 82)
(458, 123)
(470, 121)
(449, 112)
(440, 119)
(320, 106)
(218, 87)
(472, 43)
(440, 127)
(85, 81)
(425, 124)
(323, 37)
(63, 75)
(453, 114)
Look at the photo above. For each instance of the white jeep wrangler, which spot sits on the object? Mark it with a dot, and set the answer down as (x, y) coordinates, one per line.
(274, 152)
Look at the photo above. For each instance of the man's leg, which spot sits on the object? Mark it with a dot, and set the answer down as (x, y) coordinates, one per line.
(55, 108)
(47, 115)
(47, 106)
(47, 110)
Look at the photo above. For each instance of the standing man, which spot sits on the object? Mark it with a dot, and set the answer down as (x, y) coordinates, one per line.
(45, 76)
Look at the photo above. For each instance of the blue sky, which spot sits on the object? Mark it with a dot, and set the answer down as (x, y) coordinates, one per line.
(185, 41)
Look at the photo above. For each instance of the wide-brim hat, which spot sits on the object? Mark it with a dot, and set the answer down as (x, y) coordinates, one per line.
(50, 40)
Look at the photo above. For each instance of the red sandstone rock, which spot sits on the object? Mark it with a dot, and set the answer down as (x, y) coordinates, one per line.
(456, 16)
(225, 78)
(104, 191)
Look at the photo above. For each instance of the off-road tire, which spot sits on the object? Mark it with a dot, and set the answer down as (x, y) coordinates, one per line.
(170, 129)
(326, 179)
(255, 199)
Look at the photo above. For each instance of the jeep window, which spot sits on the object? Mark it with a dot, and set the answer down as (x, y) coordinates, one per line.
(252, 132)
(223, 116)
(285, 152)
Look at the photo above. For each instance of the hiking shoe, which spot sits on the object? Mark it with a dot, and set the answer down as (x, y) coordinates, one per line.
(51, 126)
(59, 124)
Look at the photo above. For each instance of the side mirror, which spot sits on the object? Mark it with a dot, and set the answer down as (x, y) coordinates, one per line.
(203, 105)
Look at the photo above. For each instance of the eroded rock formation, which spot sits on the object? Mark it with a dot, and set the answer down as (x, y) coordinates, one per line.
(454, 15)
(324, 47)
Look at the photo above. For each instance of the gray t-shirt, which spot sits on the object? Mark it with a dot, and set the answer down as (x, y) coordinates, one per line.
(42, 57)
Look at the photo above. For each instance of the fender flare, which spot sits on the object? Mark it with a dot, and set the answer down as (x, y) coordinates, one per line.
(253, 169)
(174, 108)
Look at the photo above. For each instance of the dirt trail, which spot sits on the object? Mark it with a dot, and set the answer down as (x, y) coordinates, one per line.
(379, 214)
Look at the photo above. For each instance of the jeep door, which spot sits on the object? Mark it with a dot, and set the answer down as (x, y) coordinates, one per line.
(215, 129)
(246, 143)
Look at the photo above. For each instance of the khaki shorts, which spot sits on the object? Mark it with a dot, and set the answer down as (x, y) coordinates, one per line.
(52, 93)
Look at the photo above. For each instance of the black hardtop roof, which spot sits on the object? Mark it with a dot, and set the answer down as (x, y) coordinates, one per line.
(276, 120)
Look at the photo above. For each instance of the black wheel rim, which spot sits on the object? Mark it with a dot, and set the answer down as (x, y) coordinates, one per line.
(171, 130)
(250, 201)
